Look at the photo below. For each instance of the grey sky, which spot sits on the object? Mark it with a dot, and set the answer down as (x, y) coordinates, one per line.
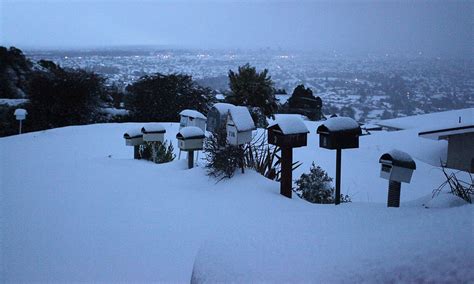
(433, 27)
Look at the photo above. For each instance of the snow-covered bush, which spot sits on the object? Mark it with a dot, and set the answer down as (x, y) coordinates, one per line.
(163, 152)
(456, 186)
(222, 158)
(316, 187)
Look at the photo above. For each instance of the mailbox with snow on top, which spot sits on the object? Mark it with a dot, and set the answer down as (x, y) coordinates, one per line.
(153, 133)
(191, 117)
(287, 133)
(190, 139)
(397, 167)
(239, 126)
(217, 116)
(20, 115)
(339, 133)
(134, 137)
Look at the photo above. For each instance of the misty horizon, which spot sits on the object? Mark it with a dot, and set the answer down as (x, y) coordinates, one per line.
(403, 27)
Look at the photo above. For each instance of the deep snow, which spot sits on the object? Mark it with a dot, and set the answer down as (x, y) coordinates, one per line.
(76, 207)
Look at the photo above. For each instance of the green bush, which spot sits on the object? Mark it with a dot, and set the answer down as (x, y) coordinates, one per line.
(316, 187)
(163, 152)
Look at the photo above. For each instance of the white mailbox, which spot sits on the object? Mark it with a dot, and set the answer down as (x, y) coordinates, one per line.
(239, 126)
(20, 114)
(153, 133)
(133, 137)
(190, 138)
(191, 117)
(397, 166)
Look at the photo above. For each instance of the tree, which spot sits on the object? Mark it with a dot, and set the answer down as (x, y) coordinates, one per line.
(252, 89)
(162, 97)
(303, 101)
(60, 97)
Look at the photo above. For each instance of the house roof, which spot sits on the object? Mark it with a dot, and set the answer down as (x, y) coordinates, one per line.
(192, 113)
(189, 132)
(444, 132)
(399, 158)
(242, 119)
(133, 133)
(153, 128)
(340, 124)
(289, 125)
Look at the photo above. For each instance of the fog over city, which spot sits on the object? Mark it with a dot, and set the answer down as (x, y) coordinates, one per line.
(434, 28)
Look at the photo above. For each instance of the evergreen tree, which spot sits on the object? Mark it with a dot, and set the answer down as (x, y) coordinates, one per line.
(162, 97)
(252, 89)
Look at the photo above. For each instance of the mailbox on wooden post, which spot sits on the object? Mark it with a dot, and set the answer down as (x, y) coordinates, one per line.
(153, 133)
(189, 117)
(397, 167)
(20, 115)
(134, 137)
(287, 133)
(190, 139)
(339, 133)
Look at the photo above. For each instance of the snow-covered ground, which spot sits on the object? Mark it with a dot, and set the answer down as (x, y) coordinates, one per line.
(75, 206)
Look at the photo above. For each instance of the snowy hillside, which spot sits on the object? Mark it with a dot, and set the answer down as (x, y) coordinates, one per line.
(77, 207)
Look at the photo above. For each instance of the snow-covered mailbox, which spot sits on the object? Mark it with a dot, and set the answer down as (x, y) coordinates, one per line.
(20, 115)
(153, 133)
(239, 126)
(217, 116)
(134, 137)
(339, 133)
(190, 139)
(191, 117)
(397, 167)
(287, 133)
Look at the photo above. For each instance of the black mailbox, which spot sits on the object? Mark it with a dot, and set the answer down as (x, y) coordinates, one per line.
(339, 133)
(290, 132)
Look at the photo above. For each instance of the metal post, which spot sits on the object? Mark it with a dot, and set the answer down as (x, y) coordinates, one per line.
(136, 152)
(286, 172)
(394, 193)
(20, 125)
(338, 177)
(190, 159)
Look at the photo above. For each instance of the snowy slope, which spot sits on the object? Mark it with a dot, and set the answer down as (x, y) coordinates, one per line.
(77, 207)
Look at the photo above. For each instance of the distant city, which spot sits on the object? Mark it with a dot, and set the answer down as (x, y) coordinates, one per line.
(369, 87)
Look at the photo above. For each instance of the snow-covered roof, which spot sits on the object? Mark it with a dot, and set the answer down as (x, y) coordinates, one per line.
(290, 125)
(192, 113)
(133, 133)
(242, 119)
(13, 102)
(441, 119)
(190, 132)
(399, 158)
(337, 124)
(153, 128)
(223, 108)
(21, 111)
(445, 132)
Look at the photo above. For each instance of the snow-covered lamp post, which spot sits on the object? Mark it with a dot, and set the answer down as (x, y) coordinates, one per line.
(287, 133)
(190, 138)
(397, 167)
(20, 115)
(339, 133)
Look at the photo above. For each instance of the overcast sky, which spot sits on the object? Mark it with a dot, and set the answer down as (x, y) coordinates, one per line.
(433, 27)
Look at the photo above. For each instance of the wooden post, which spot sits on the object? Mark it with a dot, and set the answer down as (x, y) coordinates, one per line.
(190, 159)
(286, 172)
(242, 159)
(338, 177)
(394, 193)
(136, 152)
(154, 145)
(20, 125)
